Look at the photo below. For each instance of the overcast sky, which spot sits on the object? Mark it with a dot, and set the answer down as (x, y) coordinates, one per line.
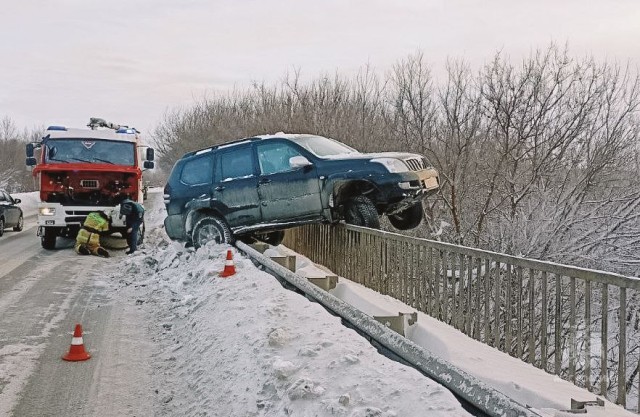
(128, 61)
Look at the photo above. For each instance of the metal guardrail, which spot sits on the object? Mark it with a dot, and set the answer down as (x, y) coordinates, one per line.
(572, 322)
(484, 399)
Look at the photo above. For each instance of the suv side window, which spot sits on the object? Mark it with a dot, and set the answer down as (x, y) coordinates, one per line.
(197, 171)
(236, 163)
(274, 157)
(3, 197)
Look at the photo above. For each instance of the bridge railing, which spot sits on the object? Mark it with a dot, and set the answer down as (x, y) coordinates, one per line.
(580, 324)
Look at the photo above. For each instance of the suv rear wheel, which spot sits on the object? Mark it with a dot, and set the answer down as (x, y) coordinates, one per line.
(1, 227)
(272, 238)
(408, 218)
(211, 228)
(360, 211)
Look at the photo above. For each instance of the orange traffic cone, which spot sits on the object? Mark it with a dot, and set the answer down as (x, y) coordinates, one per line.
(77, 352)
(229, 267)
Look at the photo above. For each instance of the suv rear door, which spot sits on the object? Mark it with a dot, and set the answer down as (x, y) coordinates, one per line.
(235, 185)
(286, 193)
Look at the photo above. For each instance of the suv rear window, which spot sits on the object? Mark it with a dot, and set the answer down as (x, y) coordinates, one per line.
(197, 171)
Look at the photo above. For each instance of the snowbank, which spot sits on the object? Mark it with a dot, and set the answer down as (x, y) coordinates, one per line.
(245, 346)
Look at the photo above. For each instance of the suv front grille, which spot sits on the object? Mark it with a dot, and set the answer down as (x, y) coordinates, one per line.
(415, 164)
(89, 184)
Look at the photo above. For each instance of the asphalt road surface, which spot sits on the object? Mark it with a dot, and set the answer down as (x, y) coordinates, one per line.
(43, 294)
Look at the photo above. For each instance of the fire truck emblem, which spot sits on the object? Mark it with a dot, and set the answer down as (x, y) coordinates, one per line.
(88, 144)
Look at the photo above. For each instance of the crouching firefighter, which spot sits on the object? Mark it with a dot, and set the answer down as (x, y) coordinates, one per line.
(88, 240)
(134, 215)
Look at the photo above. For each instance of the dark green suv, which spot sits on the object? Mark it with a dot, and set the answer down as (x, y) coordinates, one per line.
(259, 186)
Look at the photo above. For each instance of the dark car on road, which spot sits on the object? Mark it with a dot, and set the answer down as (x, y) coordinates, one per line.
(10, 214)
(259, 186)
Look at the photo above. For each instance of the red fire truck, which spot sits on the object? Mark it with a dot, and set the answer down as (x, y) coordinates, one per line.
(85, 170)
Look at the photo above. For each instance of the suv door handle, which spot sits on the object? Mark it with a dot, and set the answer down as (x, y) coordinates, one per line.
(264, 181)
(219, 188)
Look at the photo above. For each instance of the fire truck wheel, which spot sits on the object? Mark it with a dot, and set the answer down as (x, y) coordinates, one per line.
(49, 238)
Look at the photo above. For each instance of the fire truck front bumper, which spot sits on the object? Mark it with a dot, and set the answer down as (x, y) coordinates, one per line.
(57, 215)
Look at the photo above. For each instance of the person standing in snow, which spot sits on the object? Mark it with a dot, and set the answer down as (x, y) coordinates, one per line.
(134, 214)
(88, 240)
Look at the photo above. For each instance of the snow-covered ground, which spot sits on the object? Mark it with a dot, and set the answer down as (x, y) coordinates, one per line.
(245, 346)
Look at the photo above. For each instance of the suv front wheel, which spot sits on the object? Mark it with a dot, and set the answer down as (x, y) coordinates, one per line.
(408, 218)
(211, 228)
(360, 211)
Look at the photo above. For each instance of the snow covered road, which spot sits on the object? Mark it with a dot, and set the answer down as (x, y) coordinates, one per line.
(42, 295)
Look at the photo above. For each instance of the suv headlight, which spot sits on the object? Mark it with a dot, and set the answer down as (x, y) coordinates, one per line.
(47, 211)
(392, 164)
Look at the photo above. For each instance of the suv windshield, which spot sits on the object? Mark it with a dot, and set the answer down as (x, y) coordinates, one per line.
(321, 146)
(90, 151)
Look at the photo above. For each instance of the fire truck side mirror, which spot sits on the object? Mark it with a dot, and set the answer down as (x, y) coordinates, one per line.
(29, 150)
(148, 164)
(31, 162)
(150, 154)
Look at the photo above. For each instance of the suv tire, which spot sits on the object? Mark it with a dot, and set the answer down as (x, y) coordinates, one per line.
(211, 228)
(20, 225)
(360, 211)
(272, 238)
(48, 239)
(408, 218)
(1, 227)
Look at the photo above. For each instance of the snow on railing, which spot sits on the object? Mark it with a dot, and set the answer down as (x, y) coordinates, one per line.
(580, 324)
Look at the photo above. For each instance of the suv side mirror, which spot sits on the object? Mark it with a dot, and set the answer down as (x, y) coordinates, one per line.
(148, 164)
(29, 150)
(31, 161)
(299, 161)
(150, 154)
(17, 201)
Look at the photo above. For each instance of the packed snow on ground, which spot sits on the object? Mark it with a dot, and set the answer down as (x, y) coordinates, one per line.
(245, 346)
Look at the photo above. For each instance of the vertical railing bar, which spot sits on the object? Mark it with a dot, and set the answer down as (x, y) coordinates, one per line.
(496, 307)
(558, 328)
(520, 330)
(604, 328)
(508, 311)
(622, 349)
(436, 283)
(430, 293)
(532, 319)
(422, 261)
(469, 310)
(544, 323)
(478, 294)
(588, 320)
(460, 308)
(487, 300)
(572, 330)
(445, 287)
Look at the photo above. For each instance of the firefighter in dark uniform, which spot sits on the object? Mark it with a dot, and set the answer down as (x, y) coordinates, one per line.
(134, 215)
(88, 240)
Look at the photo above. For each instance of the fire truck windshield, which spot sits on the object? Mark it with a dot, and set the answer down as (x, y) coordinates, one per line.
(94, 151)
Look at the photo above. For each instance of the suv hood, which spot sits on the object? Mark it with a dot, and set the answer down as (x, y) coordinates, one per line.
(358, 155)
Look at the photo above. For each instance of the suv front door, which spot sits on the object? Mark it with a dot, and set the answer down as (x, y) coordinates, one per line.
(235, 186)
(286, 193)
